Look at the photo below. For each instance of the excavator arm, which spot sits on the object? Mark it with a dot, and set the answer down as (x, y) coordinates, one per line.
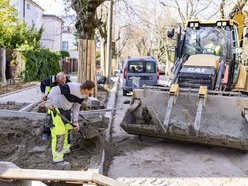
(239, 18)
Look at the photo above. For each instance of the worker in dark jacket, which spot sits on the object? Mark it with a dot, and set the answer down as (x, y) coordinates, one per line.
(58, 79)
(65, 100)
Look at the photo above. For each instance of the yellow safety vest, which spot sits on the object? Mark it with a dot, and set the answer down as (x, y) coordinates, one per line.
(215, 48)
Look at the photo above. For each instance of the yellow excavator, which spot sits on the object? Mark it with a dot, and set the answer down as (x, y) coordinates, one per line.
(207, 100)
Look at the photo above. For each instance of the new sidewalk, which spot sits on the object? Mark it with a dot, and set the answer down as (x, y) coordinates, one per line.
(27, 95)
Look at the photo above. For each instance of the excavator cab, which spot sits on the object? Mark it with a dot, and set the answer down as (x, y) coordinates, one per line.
(207, 99)
(206, 51)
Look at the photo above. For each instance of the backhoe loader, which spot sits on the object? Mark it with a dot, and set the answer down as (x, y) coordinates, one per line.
(207, 100)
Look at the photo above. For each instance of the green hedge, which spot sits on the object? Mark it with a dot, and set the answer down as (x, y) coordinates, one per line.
(64, 54)
(40, 63)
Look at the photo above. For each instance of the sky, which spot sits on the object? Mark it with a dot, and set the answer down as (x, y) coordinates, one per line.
(52, 6)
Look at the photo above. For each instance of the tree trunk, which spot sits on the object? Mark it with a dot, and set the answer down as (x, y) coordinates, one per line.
(3, 64)
(87, 62)
(103, 56)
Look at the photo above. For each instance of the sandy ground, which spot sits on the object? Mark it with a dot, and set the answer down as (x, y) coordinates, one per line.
(21, 144)
(166, 162)
(12, 106)
(17, 86)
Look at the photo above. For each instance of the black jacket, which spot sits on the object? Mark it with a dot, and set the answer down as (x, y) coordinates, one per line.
(50, 82)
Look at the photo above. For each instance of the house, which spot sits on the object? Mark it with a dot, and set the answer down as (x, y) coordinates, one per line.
(70, 43)
(52, 35)
(30, 11)
(33, 14)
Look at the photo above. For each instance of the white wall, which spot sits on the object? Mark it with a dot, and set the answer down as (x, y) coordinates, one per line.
(74, 54)
(72, 49)
(18, 4)
(52, 35)
(70, 38)
(68, 35)
(32, 13)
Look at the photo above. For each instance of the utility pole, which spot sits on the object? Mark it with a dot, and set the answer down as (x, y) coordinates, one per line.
(109, 41)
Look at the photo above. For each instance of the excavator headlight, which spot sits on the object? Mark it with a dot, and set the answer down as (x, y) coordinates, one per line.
(194, 25)
(219, 24)
(223, 23)
(191, 25)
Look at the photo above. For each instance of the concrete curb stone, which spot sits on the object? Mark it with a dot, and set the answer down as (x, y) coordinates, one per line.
(96, 164)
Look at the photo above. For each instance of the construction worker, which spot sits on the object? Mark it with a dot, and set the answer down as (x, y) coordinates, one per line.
(64, 100)
(212, 48)
(58, 79)
(214, 44)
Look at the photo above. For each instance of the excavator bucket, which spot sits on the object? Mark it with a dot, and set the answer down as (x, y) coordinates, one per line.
(193, 115)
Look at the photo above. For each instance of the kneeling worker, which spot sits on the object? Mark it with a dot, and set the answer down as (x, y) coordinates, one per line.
(64, 100)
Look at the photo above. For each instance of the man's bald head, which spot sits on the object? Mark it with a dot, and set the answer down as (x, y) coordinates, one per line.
(61, 78)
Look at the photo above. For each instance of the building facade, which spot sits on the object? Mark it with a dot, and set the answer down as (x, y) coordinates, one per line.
(69, 41)
(70, 44)
(52, 35)
(33, 14)
(30, 11)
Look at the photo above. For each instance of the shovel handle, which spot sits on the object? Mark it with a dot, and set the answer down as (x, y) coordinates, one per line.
(66, 120)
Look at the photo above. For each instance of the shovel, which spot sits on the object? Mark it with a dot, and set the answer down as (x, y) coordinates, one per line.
(66, 120)
(88, 131)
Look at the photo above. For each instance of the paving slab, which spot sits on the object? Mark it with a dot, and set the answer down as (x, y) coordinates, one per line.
(30, 95)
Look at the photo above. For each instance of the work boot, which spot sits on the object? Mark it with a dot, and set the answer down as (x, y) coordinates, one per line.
(45, 137)
(62, 163)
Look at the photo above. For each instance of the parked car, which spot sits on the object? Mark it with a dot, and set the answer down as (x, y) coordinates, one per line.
(144, 68)
(161, 67)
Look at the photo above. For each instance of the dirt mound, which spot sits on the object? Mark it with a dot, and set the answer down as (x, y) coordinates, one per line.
(12, 106)
(21, 144)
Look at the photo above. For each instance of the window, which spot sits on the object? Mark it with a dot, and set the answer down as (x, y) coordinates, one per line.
(150, 67)
(28, 6)
(142, 67)
(136, 67)
(65, 45)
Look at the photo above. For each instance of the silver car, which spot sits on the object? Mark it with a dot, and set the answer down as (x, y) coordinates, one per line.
(161, 67)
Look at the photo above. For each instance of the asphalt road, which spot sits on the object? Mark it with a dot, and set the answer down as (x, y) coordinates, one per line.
(166, 162)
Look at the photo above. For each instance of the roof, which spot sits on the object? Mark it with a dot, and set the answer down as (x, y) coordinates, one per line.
(210, 22)
(36, 4)
(52, 16)
(141, 58)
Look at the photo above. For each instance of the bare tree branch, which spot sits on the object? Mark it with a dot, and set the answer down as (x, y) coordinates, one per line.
(192, 9)
(200, 10)
(180, 12)
(187, 10)
(222, 5)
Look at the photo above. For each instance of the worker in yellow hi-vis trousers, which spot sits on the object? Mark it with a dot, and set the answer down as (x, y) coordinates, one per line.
(60, 135)
(62, 102)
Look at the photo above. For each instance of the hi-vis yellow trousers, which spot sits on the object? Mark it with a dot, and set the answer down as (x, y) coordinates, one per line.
(60, 137)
